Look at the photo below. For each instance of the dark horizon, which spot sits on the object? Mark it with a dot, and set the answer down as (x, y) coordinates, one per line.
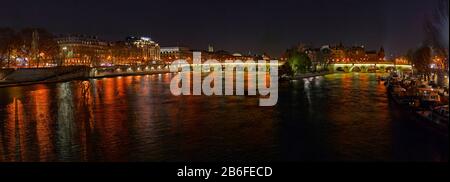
(235, 26)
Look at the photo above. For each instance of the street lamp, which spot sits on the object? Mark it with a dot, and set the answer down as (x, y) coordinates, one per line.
(64, 55)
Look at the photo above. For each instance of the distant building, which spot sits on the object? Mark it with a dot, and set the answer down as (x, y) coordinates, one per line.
(372, 56)
(355, 54)
(329, 54)
(210, 48)
(150, 50)
(381, 54)
(402, 60)
(126, 53)
(83, 50)
(170, 54)
(223, 56)
(339, 53)
(91, 51)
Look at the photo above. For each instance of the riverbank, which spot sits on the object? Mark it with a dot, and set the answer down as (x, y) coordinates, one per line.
(309, 75)
(131, 74)
(18, 84)
(23, 78)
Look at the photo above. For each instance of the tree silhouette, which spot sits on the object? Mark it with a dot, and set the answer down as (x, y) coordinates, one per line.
(48, 48)
(437, 29)
(8, 43)
(422, 60)
(298, 61)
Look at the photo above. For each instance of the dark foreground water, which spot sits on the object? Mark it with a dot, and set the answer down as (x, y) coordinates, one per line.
(340, 117)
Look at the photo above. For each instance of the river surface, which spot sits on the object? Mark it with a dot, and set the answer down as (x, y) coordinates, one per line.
(338, 117)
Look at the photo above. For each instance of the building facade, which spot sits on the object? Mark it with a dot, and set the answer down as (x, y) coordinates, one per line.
(149, 50)
(341, 54)
(91, 51)
(170, 54)
(83, 50)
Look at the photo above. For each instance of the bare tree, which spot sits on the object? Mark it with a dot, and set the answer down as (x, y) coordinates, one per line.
(7, 44)
(437, 37)
(437, 29)
(422, 60)
(48, 48)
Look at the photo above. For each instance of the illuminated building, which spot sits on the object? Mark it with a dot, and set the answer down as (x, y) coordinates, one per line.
(150, 50)
(124, 53)
(339, 54)
(83, 50)
(210, 48)
(357, 54)
(170, 54)
(90, 51)
(374, 56)
(401, 60)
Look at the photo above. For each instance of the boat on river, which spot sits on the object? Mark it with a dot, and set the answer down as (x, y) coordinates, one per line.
(437, 117)
(423, 104)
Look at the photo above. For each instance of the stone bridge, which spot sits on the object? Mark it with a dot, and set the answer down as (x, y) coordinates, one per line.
(128, 70)
(368, 67)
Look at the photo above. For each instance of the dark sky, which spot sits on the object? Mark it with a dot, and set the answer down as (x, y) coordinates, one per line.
(236, 25)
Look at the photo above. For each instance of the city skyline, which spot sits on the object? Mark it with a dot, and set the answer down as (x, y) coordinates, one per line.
(258, 27)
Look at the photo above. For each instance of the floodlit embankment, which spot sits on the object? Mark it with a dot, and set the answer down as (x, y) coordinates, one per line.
(27, 76)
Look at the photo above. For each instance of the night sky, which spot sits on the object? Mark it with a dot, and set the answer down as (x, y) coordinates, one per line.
(235, 25)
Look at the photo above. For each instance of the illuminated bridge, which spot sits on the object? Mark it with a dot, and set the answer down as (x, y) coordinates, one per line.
(128, 70)
(368, 67)
(96, 72)
(164, 68)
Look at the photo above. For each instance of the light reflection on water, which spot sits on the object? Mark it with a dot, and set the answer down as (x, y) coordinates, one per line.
(335, 117)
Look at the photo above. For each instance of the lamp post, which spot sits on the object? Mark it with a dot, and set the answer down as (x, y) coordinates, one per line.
(64, 56)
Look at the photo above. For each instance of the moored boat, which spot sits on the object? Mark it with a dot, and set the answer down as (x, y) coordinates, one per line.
(423, 104)
(436, 118)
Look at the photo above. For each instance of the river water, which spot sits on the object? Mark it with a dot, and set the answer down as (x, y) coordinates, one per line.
(338, 117)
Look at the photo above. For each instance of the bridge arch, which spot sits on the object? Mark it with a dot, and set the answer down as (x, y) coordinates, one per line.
(389, 68)
(340, 69)
(372, 69)
(355, 69)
